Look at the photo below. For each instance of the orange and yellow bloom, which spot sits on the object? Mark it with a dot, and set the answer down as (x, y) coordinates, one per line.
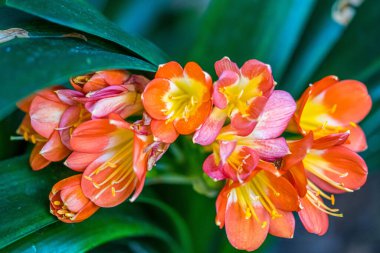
(332, 106)
(178, 100)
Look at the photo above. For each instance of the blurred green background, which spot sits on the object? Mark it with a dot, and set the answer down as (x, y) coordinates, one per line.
(303, 41)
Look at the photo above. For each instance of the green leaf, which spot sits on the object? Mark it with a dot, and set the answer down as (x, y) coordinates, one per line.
(106, 226)
(24, 197)
(181, 228)
(84, 17)
(266, 30)
(31, 64)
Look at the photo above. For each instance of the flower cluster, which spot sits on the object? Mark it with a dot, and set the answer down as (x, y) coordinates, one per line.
(239, 116)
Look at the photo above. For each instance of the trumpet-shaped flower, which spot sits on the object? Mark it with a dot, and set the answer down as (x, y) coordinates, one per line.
(68, 203)
(239, 94)
(114, 156)
(250, 211)
(235, 157)
(178, 100)
(331, 106)
(318, 167)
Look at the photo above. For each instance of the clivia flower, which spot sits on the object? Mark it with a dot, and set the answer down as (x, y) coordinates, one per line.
(235, 157)
(178, 100)
(114, 156)
(318, 167)
(239, 94)
(44, 111)
(331, 106)
(68, 203)
(262, 205)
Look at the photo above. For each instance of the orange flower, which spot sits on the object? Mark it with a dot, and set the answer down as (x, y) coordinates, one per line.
(68, 202)
(178, 100)
(320, 166)
(261, 205)
(114, 156)
(332, 106)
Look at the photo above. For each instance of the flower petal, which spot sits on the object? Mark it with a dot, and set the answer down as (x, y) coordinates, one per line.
(45, 115)
(245, 234)
(283, 226)
(225, 64)
(37, 161)
(152, 98)
(314, 220)
(212, 169)
(54, 150)
(349, 108)
(79, 161)
(163, 131)
(194, 71)
(275, 117)
(357, 140)
(190, 125)
(271, 149)
(254, 68)
(93, 136)
(210, 129)
(169, 70)
(339, 165)
(227, 78)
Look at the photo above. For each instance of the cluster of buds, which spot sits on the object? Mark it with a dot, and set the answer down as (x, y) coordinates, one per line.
(240, 117)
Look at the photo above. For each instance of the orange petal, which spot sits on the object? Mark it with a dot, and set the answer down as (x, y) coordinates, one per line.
(314, 220)
(349, 108)
(194, 71)
(281, 193)
(92, 136)
(106, 188)
(163, 131)
(152, 98)
(54, 150)
(79, 161)
(323, 84)
(37, 161)
(169, 70)
(330, 140)
(299, 179)
(283, 226)
(357, 140)
(195, 121)
(341, 165)
(245, 234)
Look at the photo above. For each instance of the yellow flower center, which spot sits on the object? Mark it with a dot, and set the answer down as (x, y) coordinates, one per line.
(183, 99)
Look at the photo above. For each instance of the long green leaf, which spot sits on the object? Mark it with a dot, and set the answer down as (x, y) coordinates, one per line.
(24, 198)
(84, 17)
(104, 227)
(31, 64)
(266, 30)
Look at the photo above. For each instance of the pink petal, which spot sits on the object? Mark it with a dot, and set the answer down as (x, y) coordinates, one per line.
(45, 115)
(357, 140)
(211, 169)
(208, 132)
(227, 78)
(226, 148)
(275, 117)
(69, 96)
(226, 64)
(69, 118)
(79, 161)
(271, 149)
